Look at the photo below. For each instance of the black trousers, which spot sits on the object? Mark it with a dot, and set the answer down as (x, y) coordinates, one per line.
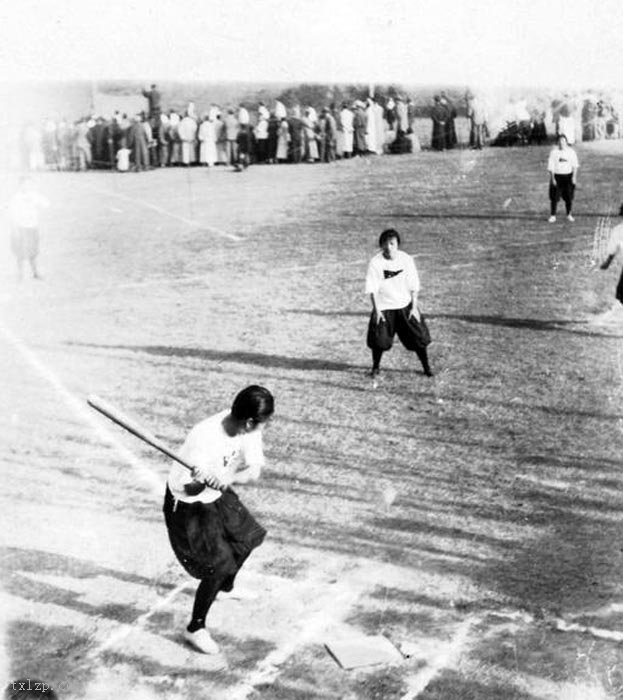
(565, 189)
(413, 334)
(211, 541)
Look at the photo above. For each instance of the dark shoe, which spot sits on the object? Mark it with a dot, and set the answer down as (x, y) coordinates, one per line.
(374, 372)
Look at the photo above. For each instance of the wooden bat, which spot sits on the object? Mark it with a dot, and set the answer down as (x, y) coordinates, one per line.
(116, 416)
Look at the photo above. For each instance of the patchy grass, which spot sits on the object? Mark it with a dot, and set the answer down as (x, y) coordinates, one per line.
(286, 567)
(506, 465)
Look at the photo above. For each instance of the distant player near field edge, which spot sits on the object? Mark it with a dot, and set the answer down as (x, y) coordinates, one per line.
(24, 210)
(615, 246)
(562, 166)
(393, 284)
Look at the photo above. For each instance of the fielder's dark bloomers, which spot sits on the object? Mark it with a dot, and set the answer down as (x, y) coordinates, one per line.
(210, 530)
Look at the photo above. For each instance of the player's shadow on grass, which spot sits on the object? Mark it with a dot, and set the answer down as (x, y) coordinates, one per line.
(480, 216)
(573, 565)
(521, 216)
(22, 570)
(243, 357)
(535, 324)
(576, 564)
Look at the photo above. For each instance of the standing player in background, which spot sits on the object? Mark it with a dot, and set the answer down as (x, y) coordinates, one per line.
(393, 284)
(24, 214)
(210, 531)
(615, 246)
(563, 167)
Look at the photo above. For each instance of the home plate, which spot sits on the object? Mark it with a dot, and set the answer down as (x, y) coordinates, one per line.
(364, 651)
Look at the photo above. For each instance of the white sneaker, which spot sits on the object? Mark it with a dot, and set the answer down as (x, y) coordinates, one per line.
(551, 219)
(570, 218)
(202, 641)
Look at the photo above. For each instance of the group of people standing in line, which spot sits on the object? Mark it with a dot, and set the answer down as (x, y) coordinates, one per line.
(600, 119)
(240, 135)
(580, 117)
(231, 136)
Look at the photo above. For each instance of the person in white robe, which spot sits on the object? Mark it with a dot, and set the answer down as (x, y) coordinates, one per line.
(243, 115)
(346, 121)
(207, 141)
(283, 140)
(371, 143)
(188, 133)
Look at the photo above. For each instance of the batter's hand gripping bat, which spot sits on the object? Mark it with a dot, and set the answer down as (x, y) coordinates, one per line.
(116, 416)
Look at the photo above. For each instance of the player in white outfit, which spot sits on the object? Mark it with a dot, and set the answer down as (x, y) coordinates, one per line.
(393, 284)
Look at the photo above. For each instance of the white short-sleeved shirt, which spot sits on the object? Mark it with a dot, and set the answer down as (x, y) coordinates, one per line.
(615, 244)
(562, 161)
(208, 446)
(392, 281)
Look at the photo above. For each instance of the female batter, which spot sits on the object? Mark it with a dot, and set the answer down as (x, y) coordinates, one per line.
(211, 532)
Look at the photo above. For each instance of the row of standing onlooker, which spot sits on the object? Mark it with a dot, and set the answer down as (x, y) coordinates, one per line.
(230, 136)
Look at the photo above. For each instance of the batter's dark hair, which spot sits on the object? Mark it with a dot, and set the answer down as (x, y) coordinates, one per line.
(254, 403)
(387, 234)
(621, 210)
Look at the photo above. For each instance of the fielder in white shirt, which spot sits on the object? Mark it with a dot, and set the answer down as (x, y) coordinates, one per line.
(562, 166)
(393, 284)
(24, 210)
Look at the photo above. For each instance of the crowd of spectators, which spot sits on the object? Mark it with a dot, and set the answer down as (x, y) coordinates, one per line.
(600, 119)
(234, 136)
(579, 117)
(244, 134)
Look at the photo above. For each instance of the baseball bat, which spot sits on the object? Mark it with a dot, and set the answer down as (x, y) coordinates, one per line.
(118, 417)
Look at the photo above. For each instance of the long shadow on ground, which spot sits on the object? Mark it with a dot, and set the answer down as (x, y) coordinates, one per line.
(519, 216)
(218, 356)
(19, 566)
(534, 324)
(575, 566)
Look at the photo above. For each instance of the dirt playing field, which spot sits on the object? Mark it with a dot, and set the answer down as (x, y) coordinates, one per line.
(475, 519)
